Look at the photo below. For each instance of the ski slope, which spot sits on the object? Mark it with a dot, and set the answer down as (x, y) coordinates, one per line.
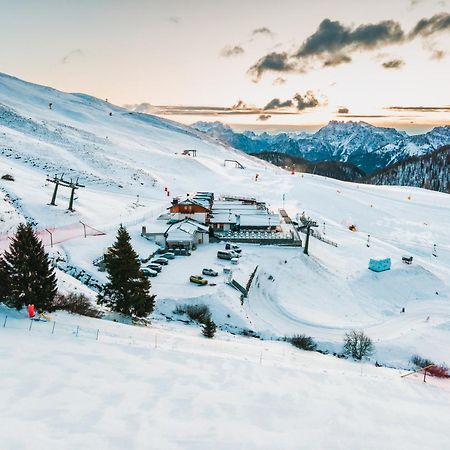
(127, 160)
(167, 387)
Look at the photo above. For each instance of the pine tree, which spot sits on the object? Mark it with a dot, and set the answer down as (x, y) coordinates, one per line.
(209, 329)
(29, 276)
(128, 289)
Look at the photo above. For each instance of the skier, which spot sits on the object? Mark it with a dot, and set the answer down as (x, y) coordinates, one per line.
(403, 310)
(50, 105)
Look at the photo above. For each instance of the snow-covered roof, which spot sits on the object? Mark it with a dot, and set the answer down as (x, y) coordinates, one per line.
(223, 218)
(185, 230)
(234, 205)
(259, 220)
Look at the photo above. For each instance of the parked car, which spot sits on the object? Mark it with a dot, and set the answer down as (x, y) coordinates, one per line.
(197, 279)
(149, 272)
(210, 272)
(168, 255)
(227, 270)
(160, 261)
(156, 267)
(234, 260)
(225, 254)
(181, 252)
(235, 248)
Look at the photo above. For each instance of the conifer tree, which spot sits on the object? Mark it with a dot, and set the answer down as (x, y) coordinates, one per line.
(128, 289)
(26, 270)
(209, 329)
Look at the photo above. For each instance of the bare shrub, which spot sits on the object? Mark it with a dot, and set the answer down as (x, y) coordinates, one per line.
(198, 313)
(357, 345)
(303, 342)
(76, 304)
(438, 371)
(8, 177)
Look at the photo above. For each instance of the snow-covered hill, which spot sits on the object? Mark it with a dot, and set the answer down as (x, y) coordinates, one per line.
(430, 171)
(165, 387)
(118, 156)
(367, 146)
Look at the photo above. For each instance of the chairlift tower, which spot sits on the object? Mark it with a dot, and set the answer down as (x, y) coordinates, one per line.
(308, 223)
(60, 181)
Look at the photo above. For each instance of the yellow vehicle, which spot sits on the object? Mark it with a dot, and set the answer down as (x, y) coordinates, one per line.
(197, 279)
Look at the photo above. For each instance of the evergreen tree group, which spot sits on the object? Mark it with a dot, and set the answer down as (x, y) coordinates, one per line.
(26, 275)
(209, 329)
(128, 289)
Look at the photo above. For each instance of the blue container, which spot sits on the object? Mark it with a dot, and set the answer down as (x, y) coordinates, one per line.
(380, 265)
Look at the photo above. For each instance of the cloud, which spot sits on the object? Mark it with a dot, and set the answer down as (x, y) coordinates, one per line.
(262, 30)
(394, 64)
(229, 51)
(275, 106)
(278, 62)
(300, 102)
(427, 27)
(240, 104)
(332, 37)
(438, 54)
(306, 101)
(336, 60)
(343, 110)
(279, 81)
(72, 54)
(333, 43)
(422, 109)
(276, 103)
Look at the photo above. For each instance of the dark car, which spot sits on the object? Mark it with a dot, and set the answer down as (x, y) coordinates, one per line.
(149, 272)
(160, 261)
(156, 267)
(181, 252)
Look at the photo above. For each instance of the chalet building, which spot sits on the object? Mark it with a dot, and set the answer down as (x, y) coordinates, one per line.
(189, 209)
(186, 234)
(197, 207)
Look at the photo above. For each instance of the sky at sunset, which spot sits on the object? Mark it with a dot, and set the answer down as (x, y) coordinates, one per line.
(255, 64)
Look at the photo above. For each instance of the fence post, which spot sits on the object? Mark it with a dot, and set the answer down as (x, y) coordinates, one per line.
(53, 328)
(97, 334)
(31, 324)
(4, 323)
(156, 341)
(78, 327)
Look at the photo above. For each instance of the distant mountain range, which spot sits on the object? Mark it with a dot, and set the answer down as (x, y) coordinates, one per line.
(368, 147)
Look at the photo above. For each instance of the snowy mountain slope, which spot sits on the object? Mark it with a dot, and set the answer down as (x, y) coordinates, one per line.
(118, 157)
(121, 392)
(367, 146)
(430, 171)
(188, 392)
